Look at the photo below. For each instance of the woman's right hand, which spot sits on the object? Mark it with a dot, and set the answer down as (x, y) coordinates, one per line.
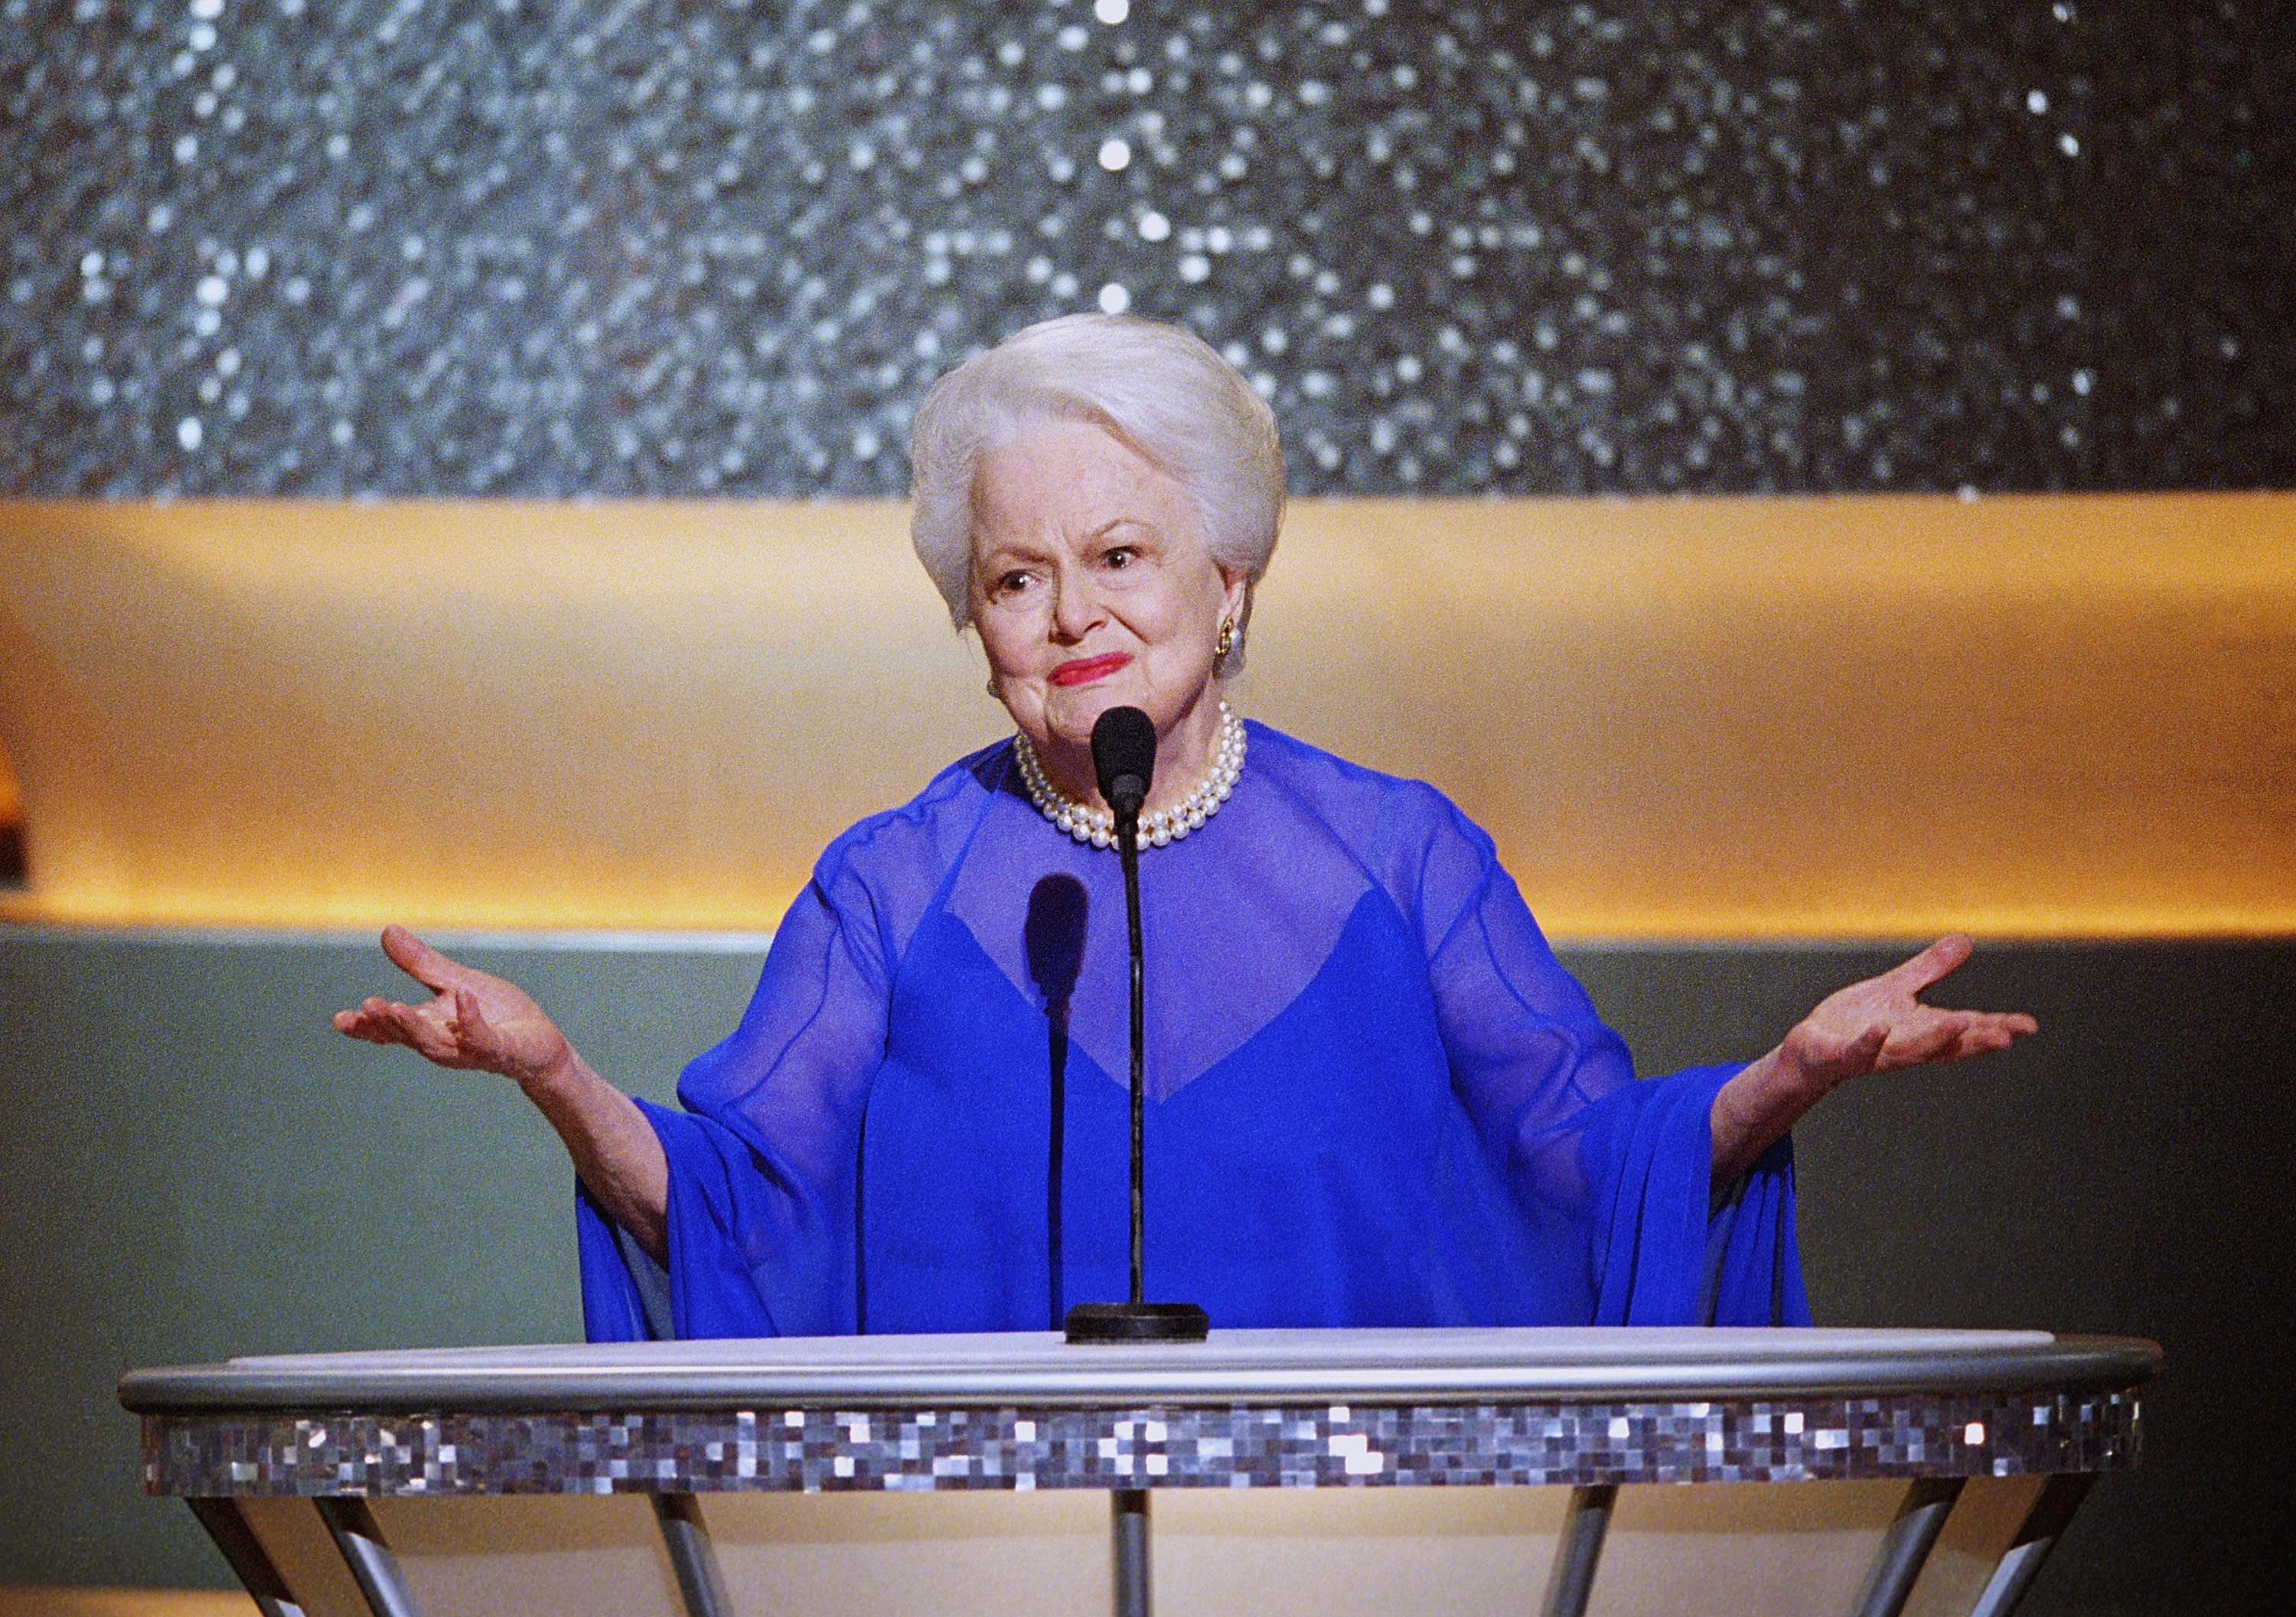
(473, 1021)
(477, 1022)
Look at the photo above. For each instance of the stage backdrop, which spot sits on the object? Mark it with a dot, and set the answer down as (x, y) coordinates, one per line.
(446, 457)
(555, 248)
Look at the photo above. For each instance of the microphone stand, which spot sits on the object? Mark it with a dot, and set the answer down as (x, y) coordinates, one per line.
(1134, 1320)
(1124, 761)
(1127, 851)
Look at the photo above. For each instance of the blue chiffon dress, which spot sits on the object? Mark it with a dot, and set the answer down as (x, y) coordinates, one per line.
(1374, 1097)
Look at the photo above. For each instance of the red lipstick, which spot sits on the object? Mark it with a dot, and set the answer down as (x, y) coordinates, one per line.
(1084, 671)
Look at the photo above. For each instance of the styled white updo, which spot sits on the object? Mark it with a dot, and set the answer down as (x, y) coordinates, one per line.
(1162, 390)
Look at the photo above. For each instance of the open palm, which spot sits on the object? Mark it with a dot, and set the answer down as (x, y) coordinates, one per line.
(474, 1020)
(1881, 1024)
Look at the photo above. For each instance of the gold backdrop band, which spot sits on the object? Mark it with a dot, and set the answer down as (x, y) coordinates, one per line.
(2040, 715)
(11, 805)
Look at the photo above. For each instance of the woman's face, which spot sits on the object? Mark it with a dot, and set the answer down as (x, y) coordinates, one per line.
(1092, 587)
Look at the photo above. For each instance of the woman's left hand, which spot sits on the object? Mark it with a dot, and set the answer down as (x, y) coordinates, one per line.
(1878, 1025)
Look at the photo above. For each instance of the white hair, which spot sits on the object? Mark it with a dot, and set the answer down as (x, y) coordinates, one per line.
(1160, 390)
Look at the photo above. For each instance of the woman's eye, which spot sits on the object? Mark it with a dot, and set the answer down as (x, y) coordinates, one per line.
(1119, 557)
(1011, 583)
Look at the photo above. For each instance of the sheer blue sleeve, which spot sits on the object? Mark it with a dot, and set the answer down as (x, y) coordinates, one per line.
(763, 1160)
(1616, 1172)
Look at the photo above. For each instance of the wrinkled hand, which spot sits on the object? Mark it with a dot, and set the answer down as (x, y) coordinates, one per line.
(474, 1020)
(1880, 1025)
(1875, 1026)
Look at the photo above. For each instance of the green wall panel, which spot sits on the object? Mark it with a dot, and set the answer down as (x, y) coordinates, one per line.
(195, 1165)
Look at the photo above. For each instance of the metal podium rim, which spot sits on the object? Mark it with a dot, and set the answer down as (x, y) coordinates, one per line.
(1263, 1367)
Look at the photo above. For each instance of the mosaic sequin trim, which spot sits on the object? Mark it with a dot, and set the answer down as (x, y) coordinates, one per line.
(812, 1450)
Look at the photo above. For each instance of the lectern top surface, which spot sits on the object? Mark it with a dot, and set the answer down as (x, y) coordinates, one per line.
(1263, 1367)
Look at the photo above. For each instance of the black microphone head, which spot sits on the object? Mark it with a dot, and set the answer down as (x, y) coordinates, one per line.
(1053, 938)
(1124, 757)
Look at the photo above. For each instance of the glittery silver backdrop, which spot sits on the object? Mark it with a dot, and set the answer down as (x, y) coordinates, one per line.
(502, 246)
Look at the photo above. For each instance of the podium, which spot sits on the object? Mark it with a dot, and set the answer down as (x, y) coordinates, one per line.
(1580, 1471)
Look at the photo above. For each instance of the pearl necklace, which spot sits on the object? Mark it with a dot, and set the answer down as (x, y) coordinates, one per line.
(1157, 826)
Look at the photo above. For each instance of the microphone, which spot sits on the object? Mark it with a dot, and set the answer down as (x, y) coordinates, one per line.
(1124, 758)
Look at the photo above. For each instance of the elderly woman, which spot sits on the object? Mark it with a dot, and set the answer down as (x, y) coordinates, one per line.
(1374, 1096)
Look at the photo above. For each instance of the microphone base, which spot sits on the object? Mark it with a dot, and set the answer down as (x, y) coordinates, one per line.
(1105, 1322)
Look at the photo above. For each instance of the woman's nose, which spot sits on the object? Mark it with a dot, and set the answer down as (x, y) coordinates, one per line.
(1075, 608)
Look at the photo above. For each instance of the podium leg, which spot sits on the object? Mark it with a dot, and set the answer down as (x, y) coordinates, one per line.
(1906, 1545)
(373, 1568)
(250, 1562)
(2051, 1512)
(688, 1539)
(1128, 1507)
(1572, 1580)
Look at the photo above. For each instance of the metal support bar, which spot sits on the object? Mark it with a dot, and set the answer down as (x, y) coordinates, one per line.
(1129, 1510)
(1581, 1548)
(687, 1539)
(249, 1562)
(1906, 1545)
(2045, 1524)
(373, 1566)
